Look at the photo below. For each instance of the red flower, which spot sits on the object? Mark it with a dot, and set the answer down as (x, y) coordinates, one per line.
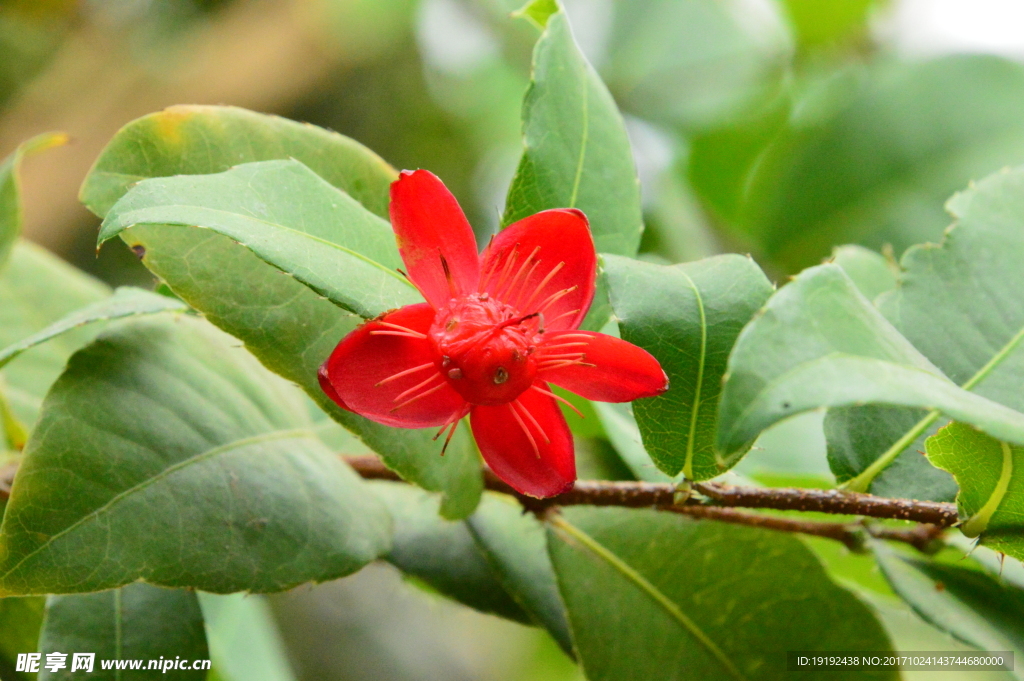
(495, 330)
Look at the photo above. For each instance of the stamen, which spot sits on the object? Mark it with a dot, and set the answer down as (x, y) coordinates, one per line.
(409, 279)
(418, 386)
(447, 273)
(543, 283)
(455, 425)
(418, 336)
(510, 286)
(564, 345)
(525, 282)
(509, 260)
(401, 328)
(529, 435)
(564, 363)
(584, 336)
(559, 398)
(555, 297)
(567, 355)
(418, 397)
(403, 373)
(533, 420)
(490, 273)
(564, 314)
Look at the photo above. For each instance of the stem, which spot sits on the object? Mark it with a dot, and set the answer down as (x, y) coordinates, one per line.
(934, 516)
(867, 476)
(831, 501)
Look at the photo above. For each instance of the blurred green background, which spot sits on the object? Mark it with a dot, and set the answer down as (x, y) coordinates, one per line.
(776, 127)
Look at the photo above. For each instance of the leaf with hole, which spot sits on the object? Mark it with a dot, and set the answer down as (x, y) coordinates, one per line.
(991, 478)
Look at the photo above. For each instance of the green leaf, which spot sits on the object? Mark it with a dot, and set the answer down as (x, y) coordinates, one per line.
(873, 273)
(10, 189)
(823, 24)
(957, 303)
(577, 154)
(896, 140)
(858, 436)
(515, 545)
(165, 453)
(135, 622)
(292, 331)
(38, 289)
(624, 435)
(199, 140)
(245, 643)
(819, 343)
(990, 474)
(537, 12)
(442, 552)
(20, 621)
(691, 64)
(967, 603)
(653, 595)
(290, 218)
(286, 325)
(688, 316)
(126, 302)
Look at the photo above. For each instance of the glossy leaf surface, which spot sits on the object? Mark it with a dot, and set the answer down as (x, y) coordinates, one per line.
(291, 219)
(990, 474)
(165, 453)
(820, 343)
(688, 316)
(515, 545)
(198, 140)
(656, 595)
(577, 154)
(135, 622)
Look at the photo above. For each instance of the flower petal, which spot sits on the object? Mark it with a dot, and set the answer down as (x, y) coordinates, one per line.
(612, 370)
(541, 463)
(365, 375)
(559, 278)
(429, 225)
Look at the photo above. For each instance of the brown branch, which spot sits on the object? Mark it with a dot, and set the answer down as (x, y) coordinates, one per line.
(935, 517)
(831, 501)
(648, 494)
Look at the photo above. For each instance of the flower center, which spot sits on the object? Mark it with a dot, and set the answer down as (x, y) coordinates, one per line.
(485, 348)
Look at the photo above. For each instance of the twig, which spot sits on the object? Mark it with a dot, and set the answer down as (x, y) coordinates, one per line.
(935, 517)
(831, 501)
(648, 494)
